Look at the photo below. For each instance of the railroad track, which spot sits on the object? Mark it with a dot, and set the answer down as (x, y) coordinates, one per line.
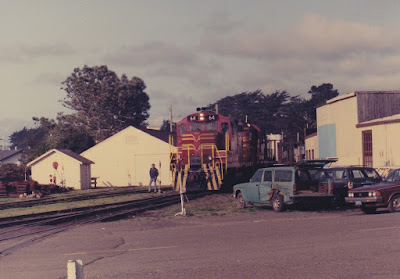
(72, 198)
(21, 231)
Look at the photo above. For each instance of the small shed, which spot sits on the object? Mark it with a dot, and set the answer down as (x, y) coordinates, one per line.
(63, 168)
(125, 158)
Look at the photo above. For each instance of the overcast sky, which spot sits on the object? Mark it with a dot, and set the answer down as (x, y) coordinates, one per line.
(192, 53)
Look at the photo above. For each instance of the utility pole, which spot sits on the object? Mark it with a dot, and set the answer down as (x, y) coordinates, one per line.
(170, 118)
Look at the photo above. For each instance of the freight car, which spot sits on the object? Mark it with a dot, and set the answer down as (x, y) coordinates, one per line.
(212, 149)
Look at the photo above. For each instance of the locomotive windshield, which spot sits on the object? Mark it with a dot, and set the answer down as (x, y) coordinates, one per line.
(212, 126)
(182, 129)
(194, 127)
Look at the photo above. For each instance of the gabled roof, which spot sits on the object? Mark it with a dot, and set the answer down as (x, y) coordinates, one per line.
(76, 156)
(5, 154)
(161, 135)
(69, 153)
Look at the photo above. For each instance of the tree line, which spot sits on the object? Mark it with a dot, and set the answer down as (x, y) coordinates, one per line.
(102, 104)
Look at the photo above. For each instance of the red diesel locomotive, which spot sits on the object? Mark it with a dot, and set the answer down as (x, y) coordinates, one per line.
(212, 147)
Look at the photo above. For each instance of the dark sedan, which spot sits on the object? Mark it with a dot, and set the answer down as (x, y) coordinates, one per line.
(384, 194)
(346, 178)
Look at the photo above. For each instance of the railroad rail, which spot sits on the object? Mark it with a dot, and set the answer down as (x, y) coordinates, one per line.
(78, 197)
(19, 231)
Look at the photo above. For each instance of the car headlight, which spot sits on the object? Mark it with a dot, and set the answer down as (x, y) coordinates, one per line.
(372, 194)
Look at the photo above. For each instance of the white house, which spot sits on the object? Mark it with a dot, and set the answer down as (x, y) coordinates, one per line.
(359, 128)
(311, 146)
(11, 156)
(63, 168)
(125, 158)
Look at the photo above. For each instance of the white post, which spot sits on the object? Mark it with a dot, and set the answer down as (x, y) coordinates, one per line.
(183, 211)
(183, 204)
(75, 269)
(159, 174)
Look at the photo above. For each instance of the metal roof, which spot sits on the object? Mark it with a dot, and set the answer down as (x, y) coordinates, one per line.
(4, 154)
(69, 153)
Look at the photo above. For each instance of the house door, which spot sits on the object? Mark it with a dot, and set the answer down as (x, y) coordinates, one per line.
(367, 148)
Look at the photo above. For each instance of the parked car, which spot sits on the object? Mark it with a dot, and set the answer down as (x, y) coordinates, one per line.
(280, 186)
(345, 178)
(384, 194)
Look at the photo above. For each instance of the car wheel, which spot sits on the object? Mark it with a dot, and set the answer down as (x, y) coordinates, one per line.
(241, 202)
(277, 203)
(394, 204)
(368, 210)
(337, 200)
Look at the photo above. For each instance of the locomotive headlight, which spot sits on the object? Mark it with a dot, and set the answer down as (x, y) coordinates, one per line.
(351, 195)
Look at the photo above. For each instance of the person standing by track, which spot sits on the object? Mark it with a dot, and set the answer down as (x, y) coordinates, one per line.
(153, 177)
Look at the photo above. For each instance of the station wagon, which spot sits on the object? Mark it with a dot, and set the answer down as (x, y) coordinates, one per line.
(284, 185)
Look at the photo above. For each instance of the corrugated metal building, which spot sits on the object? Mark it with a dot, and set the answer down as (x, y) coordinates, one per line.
(359, 128)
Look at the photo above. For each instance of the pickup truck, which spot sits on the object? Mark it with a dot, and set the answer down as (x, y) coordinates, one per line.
(280, 186)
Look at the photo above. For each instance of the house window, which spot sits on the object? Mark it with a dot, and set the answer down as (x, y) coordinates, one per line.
(312, 156)
(367, 148)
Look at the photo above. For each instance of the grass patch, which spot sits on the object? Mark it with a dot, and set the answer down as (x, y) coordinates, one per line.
(211, 205)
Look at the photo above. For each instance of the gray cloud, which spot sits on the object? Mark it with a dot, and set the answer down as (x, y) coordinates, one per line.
(22, 53)
(315, 50)
(220, 23)
(314, 37)
(49, 78)
(152, 53)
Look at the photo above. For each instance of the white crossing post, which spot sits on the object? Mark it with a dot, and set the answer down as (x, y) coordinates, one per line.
(75, 269)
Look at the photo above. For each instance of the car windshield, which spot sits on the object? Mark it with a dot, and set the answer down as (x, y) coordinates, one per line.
(393, 176)
(257, 176)
(364, 174)
(371, 173)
